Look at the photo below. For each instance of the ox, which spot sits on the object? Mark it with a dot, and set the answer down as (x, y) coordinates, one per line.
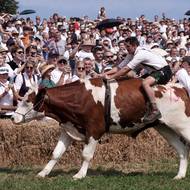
(81, 110)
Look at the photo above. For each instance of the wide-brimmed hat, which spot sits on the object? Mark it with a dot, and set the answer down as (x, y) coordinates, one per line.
(44, 67)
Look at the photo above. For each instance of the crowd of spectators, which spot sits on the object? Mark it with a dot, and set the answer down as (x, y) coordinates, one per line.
(58, 50)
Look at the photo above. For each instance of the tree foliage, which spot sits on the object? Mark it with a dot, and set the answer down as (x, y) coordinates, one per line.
(8, 6)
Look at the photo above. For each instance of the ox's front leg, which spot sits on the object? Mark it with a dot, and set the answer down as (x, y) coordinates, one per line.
(88, 153)
(181, 147)
(61, 147)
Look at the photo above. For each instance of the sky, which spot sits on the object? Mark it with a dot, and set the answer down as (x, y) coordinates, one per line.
(174, 9)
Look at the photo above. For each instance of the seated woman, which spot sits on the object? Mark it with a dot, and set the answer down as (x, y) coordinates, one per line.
(45, 71)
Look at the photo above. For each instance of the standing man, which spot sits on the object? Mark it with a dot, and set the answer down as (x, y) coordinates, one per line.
(156, 66)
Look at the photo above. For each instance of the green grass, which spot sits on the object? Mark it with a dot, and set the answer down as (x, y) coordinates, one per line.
(152, 176)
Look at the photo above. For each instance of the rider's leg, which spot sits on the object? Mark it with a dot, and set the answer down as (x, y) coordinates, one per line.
(155, 113)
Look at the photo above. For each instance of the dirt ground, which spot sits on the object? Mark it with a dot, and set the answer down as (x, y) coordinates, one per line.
(33, 143)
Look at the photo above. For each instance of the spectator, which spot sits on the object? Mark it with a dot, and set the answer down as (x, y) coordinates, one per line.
(183, 74)
(99, 59)
(45, 71)
(25, 80)
(102, 13)
(89, 68)
(86, 50)
(62, 73)
(7, 94)
(80, 70)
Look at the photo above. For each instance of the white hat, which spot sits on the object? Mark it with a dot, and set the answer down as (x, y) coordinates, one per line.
(4, 70)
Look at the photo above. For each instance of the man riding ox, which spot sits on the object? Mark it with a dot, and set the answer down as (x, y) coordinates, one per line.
(157, 72)
(87, 109)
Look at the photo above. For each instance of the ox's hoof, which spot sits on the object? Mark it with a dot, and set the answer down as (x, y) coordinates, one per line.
(178, 177)
(41, 174)
(78, 176)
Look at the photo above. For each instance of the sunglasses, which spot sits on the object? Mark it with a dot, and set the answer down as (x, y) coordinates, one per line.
(29, 67)
(20, 52)
(109, 56)
(3, 53)
(33, 53)
(81, 68)
(34, 47)
(62, 62)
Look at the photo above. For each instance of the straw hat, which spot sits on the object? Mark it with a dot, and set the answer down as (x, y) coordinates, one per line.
(44, 67)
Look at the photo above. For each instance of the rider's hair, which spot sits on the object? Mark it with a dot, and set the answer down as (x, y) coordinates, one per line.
(132, 41)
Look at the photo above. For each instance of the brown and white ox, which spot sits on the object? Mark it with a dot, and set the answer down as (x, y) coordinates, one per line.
(80, 109)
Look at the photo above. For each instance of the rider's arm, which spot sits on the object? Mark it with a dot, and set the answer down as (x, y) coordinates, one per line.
(112, 71)
(121, 72)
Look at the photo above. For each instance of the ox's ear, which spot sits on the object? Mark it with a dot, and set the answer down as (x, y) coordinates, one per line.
(31, 97)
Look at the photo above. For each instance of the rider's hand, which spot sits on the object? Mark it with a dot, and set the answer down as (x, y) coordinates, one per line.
(108, 77)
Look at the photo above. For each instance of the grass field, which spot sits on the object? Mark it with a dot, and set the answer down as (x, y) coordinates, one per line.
(149, 176)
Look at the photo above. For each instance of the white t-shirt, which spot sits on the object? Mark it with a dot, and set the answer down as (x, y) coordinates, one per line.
(56, 75)
(6, 100)
(29, 82)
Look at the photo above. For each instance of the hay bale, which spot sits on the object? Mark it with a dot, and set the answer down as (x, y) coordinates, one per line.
(33, 143)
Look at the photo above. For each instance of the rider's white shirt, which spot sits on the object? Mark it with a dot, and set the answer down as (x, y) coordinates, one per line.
(145, 57)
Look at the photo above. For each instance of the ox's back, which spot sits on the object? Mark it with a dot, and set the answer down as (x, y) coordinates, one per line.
(82, 103)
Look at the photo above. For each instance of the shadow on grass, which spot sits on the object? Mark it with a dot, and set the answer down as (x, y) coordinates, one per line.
(91, 172)
(110, 173)
(22, 171)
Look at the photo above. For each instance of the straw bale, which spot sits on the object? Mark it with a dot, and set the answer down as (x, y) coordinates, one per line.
(33, 143)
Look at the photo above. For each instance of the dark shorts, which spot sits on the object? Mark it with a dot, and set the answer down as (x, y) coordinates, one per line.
(163, 75)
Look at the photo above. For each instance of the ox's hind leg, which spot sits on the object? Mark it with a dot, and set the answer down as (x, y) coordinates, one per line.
(181, 147)
(61, 147)
(88, 153)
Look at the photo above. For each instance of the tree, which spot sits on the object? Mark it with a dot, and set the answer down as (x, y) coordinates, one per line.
(8, 6)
